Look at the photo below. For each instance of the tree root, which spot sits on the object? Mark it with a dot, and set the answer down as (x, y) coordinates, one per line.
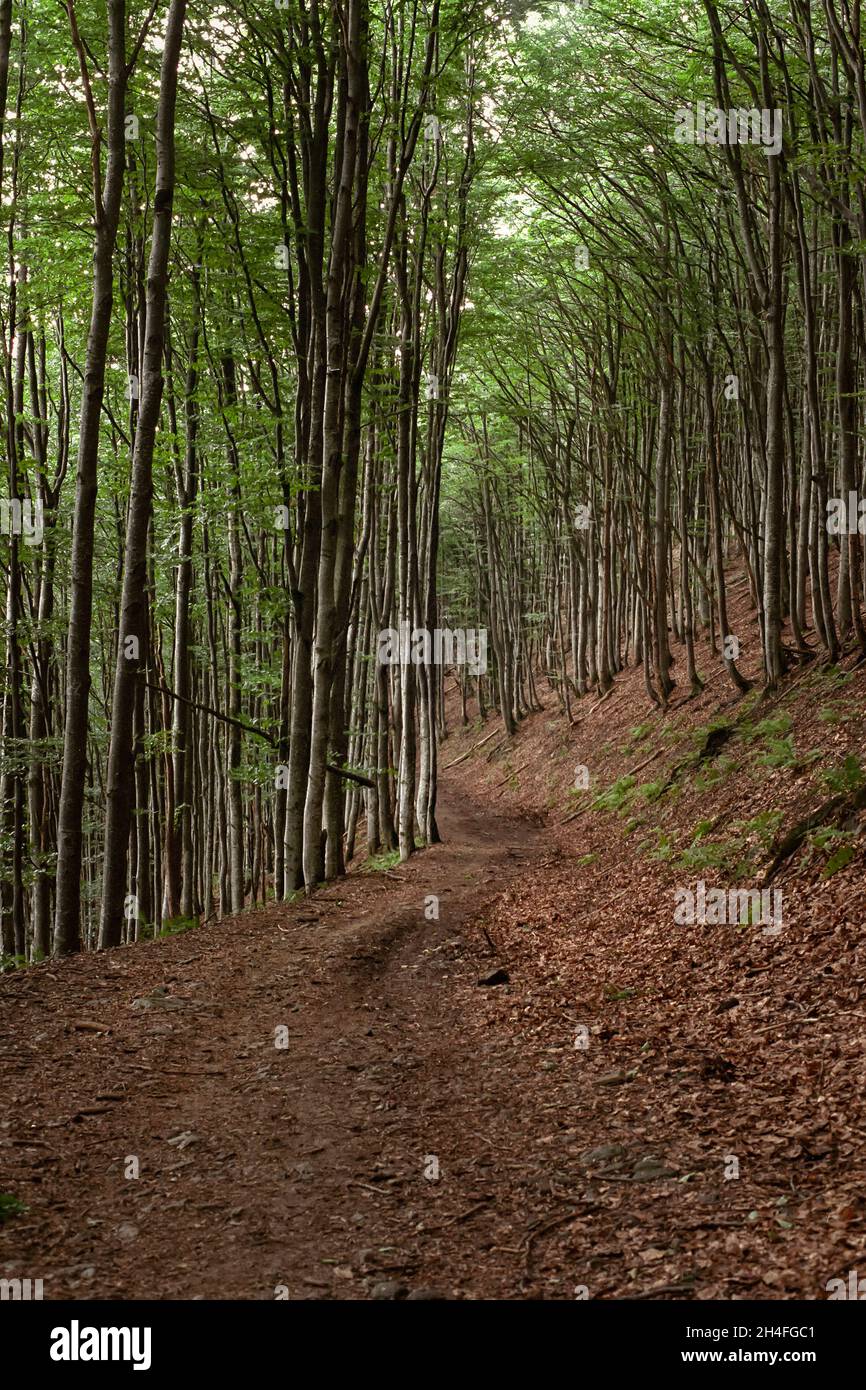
(833, 809)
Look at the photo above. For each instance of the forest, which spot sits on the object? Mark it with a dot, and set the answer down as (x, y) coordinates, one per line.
(418, 417)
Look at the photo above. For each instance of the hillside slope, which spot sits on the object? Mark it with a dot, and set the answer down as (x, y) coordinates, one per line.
(729, 1054)
(509, 1072)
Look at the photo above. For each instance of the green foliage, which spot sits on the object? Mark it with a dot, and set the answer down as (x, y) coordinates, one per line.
(736, 855)
(701, 829)
(616, 797)
(832, 714)
(780, 752)
(10, 963)
(712, 773)
(176, 926)
(823, 836)
(616, 995)
(841, 843)
(659, 846)
(10, 1206)
(388, 859)
(778, 726)
(704, 732)
(763, 826)
(706, 854)
(843, 855)
(651, 791)
(636, 736)
(848, 776)
(829, 675)
(574, 143)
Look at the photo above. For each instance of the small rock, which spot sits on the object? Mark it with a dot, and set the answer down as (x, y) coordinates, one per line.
(649, 1167)
(606, 1153)
(424, 1294)
(388, 1289)
(126, 1231)
(497, 977)
(159, 998)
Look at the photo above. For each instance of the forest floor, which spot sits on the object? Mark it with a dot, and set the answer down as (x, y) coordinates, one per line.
(639, 1110)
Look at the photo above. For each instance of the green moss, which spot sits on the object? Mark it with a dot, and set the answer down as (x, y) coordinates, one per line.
(701, 829)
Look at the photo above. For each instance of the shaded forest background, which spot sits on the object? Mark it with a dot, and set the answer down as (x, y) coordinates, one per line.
(323, 319)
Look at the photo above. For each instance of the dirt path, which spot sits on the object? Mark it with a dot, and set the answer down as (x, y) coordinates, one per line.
(637, 1113)
(311, 1168)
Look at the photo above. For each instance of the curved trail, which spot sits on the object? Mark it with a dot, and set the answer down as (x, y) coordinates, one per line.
(311, 1169)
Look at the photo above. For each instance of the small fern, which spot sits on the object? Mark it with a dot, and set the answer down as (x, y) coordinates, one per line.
(847, 777)
(780, 753)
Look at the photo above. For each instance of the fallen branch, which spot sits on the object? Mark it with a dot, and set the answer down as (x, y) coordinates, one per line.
(517, 770)
(665, 1288)
(496, 747)
(606, 696)
(350, 776)
(549, 1226)
(253, 729)
(473, 749)
(652, 757)
(465, 1215)
(215, 713)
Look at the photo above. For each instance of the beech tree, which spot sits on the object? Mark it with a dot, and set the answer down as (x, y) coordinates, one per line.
(367, 322)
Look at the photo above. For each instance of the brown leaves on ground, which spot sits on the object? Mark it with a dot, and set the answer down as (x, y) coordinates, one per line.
(627, 1108)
